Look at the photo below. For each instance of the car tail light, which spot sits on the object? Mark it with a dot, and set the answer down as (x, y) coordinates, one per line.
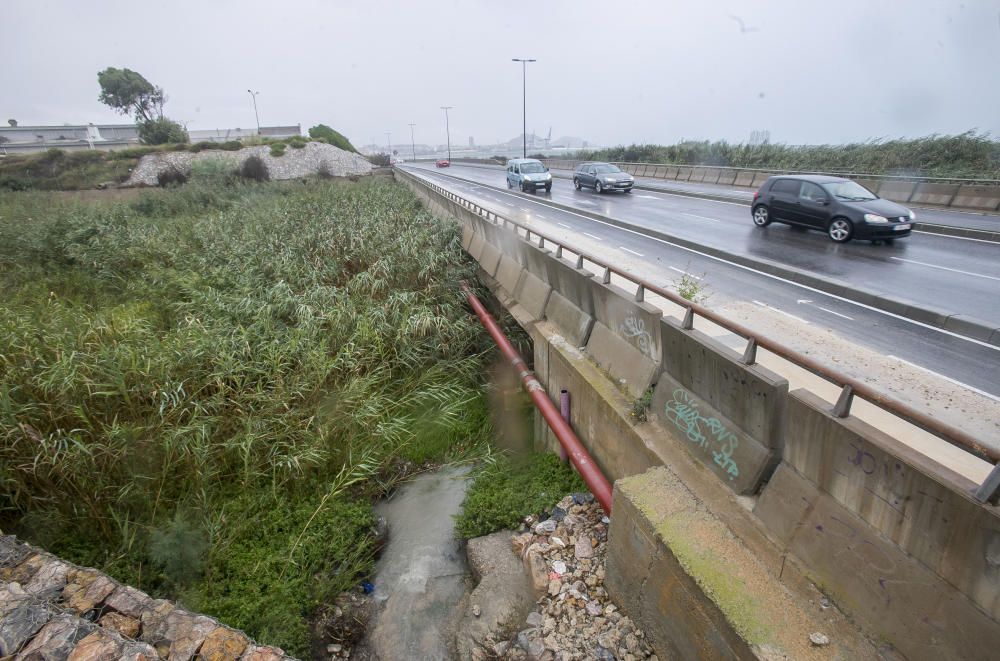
(756, 194)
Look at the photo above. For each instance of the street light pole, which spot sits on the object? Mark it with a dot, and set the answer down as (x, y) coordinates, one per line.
(388, 144)
(447, 128)
(413, 143)
(253, 95)
(524, 101)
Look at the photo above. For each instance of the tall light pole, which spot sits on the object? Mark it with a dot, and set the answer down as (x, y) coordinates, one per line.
(388, 144)
(447, 128)
(413, 143)
(524, 98)
(253, 95)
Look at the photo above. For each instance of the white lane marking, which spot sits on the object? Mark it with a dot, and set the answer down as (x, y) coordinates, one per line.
(945, 268)
(771, 307)
(820, 292)
(836, 313)
(647, 197)
(525, 210)
(593, 237)
(696, 277)
(564, 225)
(538, 215)
(949, 236)
(587, 202)
(694, 215)
(639, 254)
(947, 378)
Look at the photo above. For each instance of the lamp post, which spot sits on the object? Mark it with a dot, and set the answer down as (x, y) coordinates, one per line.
(413, 143)
(253, 95)
(447, 128)
(388, 144)
(524, 99)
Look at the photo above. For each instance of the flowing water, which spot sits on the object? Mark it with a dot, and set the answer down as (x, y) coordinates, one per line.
(420, 578)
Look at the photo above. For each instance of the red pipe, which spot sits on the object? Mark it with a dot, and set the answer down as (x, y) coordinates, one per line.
(589, 471)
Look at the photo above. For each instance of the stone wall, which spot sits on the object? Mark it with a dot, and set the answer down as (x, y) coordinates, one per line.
(51, 609)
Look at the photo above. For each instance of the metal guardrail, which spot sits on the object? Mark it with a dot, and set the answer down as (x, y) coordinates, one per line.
(850, 387)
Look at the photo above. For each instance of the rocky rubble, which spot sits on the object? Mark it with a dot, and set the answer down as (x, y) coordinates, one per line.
(574, 617)
(294, 164)
(50, 609)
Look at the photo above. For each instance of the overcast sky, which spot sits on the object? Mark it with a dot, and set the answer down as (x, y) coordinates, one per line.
(609, 72)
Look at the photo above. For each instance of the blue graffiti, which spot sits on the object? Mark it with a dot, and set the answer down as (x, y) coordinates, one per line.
(709, 434)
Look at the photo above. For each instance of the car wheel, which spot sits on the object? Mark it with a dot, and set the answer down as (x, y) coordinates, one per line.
(576, 183)
(628, 190)
(548, 189)
(840, 230)
(509, 185)
(598, 187)
(524, 187)
(761, 216)
(889, 242)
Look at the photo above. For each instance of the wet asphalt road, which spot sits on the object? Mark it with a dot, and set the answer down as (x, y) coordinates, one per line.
(965, 274)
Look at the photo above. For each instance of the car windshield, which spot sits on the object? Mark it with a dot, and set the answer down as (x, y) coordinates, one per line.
(850, 190)
(606, 168)
(531, 168)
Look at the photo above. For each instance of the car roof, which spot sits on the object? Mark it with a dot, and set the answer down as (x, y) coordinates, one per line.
(524, 160)
(815, 178)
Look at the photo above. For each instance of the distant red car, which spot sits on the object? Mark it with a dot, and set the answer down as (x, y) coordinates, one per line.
(443, 163)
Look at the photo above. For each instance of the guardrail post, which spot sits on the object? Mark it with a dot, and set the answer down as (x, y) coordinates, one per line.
(750, 353)
(607, 276)
(688, 322)
(842, 408)
(541, 241)
(989, 490)
(579, 261)
(558, 251)
(640, 294)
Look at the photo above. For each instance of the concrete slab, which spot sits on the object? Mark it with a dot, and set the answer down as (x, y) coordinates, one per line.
(938, 194)
(509, 274)
(735, 457)
(467, 232)
(698, 592)
(753, 397)
(626, 364)
(978, 197)
(489, 258)
(635, 323)
(536, 259)
(898, 191)
(745, 178)
(533, 293)
(727, 177)
(475, 248)
(784, 503)
(574, 324)
(574, 284)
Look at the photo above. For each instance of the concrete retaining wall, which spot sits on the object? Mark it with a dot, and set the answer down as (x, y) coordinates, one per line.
(894, 539)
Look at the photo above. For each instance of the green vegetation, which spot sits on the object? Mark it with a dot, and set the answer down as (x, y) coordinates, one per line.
(202, 390)
(967, 155)
(324, 133)
(129, 93)
(507, 490)
(277, 149)
(56, 169)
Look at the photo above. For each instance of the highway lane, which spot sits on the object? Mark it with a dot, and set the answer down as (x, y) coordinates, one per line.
(956, 275)
(931, 215)
(966, 361)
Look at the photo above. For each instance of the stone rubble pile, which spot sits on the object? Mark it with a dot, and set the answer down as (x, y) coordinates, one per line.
(50, 609)
(294, 164)
(574, 617)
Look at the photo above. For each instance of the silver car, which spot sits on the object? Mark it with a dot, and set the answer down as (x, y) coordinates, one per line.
(602, 177)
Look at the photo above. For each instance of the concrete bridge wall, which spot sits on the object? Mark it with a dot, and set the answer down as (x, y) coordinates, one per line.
(895, 540)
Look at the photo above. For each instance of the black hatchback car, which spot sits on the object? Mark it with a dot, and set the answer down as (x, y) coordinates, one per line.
(842, 208)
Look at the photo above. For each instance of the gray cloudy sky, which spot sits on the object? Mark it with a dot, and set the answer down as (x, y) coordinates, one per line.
(806, 71)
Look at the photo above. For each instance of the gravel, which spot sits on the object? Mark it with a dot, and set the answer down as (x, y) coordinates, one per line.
(296, 163)
(575, 618)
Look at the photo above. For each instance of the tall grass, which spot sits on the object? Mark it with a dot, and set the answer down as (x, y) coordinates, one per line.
(967, 155)
(228, 367)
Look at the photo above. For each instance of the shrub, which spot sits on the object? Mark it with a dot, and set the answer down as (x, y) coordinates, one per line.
(201, 146)
(171, 177)
(231, 145)
(254, 168)
(510, 489)
(323, 171)
(379, 160)
(15, 183)
(297, 143)
(161, 131)
(278, 149)
(332, 137)
(177, 146)
(131, 152)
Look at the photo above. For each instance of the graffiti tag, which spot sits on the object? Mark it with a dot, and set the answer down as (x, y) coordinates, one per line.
(707, 433)
(635, 328)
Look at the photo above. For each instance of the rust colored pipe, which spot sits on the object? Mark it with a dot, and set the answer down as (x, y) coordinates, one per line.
(589, 471)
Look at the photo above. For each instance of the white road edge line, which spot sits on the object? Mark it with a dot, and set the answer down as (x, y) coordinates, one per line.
(639, 254)
(569, 227)
(694, 215)
(771, 307)
(946, 268)
(767, 275)
(947, 378)
(593, 237)
(951, 236)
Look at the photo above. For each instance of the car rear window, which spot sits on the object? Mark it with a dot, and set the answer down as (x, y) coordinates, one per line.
(787, 186)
